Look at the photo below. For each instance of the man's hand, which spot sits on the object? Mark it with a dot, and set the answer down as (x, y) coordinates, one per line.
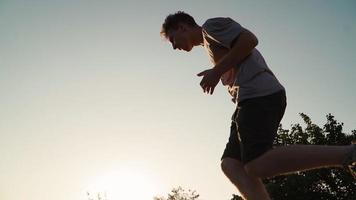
(210, 79)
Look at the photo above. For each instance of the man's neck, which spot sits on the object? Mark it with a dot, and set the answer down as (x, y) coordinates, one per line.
(198, 36)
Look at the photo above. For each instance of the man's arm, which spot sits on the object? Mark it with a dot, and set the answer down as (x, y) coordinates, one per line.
(241, 48)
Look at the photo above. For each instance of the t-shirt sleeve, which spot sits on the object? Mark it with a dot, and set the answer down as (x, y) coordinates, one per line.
(222, 30)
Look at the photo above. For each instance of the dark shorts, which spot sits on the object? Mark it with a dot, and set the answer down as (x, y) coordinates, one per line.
(254, 126)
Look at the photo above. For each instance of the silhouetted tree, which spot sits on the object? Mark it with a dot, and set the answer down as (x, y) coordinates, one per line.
(236, 197)
(326, 183)
(180, 194)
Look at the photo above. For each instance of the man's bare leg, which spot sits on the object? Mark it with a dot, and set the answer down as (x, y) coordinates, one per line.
(250, 187)
(282, 160)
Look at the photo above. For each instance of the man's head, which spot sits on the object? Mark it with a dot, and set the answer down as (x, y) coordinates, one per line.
(179, 28)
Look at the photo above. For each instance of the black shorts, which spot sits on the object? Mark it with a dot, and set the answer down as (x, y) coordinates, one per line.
(254, 126)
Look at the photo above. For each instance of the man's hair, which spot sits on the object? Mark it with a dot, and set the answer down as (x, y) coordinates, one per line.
(172, 21)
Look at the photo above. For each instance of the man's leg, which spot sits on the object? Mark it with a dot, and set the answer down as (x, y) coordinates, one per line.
(282, 160)
(258, 122)
(250, 187)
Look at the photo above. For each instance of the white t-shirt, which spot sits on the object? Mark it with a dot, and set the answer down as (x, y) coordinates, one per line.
(252, 78)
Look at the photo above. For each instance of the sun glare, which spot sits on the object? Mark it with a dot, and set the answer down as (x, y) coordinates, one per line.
(123, 185)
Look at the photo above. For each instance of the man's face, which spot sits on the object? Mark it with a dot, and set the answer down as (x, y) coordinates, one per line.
(180, 39)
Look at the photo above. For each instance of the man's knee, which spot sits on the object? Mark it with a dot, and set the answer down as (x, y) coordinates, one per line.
(229, 165)
(255, 168)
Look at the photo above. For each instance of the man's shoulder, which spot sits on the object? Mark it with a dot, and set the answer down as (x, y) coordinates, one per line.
(217, 23)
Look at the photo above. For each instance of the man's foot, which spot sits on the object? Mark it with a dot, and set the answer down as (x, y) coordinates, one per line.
(350, 161)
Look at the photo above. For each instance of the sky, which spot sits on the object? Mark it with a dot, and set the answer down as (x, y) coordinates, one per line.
(94, 100)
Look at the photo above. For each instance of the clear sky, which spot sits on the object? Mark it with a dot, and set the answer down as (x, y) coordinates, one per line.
(92, 98)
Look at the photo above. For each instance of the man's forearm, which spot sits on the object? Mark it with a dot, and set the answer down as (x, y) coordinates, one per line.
(242, 47)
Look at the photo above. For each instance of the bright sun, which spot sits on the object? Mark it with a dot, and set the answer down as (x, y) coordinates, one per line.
(123, 185)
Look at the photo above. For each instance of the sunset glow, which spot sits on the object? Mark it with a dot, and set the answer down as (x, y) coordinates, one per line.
(124, 184)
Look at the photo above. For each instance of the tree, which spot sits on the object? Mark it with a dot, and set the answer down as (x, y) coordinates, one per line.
(236, 197)
(326, 183)
(180, 194)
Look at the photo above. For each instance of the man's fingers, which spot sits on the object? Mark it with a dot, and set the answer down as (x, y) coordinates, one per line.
(212, 90)
(203, 83)
(205, 88)
(202, 73)
(208, 89)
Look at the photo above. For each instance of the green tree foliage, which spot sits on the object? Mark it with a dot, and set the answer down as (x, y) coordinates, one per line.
(326, 183)
(180, 194)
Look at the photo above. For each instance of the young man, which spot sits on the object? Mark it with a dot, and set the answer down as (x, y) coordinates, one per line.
(261, 102)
